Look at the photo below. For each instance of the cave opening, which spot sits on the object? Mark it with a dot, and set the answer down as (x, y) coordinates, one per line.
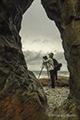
(40, 36)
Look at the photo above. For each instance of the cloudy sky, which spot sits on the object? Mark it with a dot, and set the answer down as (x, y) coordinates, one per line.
(40, 36)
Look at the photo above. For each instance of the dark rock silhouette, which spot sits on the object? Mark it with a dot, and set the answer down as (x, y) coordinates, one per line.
(21, 95)
(66, 14)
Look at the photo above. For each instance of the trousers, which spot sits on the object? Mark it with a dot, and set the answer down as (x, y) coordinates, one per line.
(55, 74)
(52, 78)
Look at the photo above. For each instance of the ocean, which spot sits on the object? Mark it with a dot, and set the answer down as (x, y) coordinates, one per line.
(44, 74)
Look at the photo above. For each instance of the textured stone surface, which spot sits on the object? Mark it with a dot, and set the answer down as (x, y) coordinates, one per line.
(25, 107)
(66, 14)
(21, 94)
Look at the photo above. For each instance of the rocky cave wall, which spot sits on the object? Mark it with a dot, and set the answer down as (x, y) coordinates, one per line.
(66, 14)
(21, 95)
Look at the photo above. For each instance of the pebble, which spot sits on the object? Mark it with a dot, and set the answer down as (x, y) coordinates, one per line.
(56, 96)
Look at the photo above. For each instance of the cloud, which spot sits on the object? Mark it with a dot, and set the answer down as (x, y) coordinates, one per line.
(35, 40)
(36, 23)
(39, 37)
(44, 44)
(34, 59)
(60, 57)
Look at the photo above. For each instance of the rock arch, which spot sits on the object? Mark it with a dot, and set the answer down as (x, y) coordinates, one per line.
(21, 95)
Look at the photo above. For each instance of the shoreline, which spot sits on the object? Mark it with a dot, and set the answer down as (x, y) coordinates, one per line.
(61, 77)
(43, 74)
(62, 81)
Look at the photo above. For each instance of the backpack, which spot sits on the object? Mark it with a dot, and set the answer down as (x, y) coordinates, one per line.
(57, 65)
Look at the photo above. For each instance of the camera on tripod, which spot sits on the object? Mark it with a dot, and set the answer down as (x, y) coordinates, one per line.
(45, 57)
(44, 65)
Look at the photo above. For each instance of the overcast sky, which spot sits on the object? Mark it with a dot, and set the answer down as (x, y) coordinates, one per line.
(40, 36)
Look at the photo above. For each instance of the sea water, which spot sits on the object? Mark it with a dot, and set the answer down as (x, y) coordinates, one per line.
(44, 74)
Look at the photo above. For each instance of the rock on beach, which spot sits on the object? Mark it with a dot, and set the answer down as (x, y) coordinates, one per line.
(55, 96)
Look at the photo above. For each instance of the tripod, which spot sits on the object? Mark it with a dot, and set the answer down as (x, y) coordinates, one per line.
(42, 69)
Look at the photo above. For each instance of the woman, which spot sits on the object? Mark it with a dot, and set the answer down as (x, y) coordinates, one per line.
(50, 65)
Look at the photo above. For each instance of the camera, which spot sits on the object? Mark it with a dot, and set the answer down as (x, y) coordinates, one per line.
(45, 57)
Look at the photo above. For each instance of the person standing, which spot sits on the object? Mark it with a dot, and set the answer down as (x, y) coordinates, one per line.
(55, 68)
(50, 65)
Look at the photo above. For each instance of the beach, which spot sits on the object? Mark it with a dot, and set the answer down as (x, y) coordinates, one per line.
(55, 96)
